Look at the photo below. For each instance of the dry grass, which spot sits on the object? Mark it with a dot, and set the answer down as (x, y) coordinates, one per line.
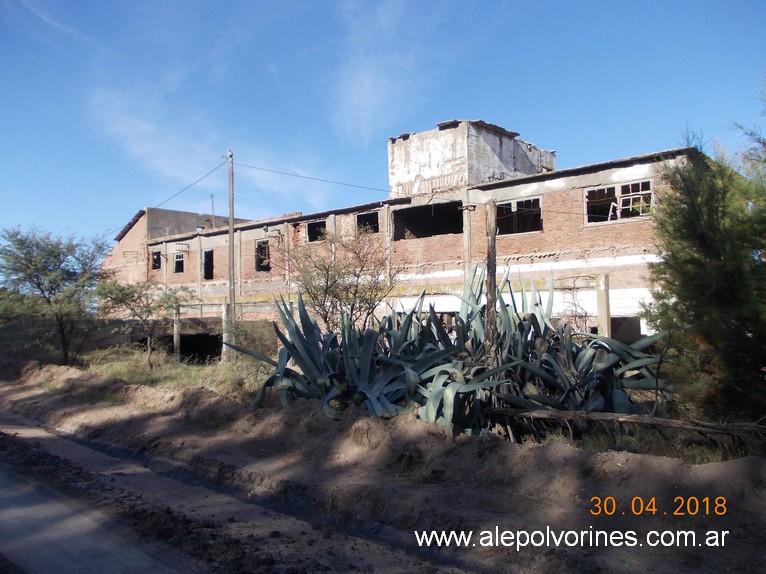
(239, 380)
(689, 447)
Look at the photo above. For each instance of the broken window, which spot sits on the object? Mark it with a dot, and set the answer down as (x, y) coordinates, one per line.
(178, 263)
(428, 220)
(635, 199)
(262, 256)
(156, 260)
(207, 264)
(368, 222)
(613, 203)
(601, 205)
(519, 216)
(316, 230)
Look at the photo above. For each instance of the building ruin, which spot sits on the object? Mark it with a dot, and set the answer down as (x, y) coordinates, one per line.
(588, 227)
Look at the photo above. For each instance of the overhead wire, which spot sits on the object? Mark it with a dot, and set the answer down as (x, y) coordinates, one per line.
(309, 177)
(195, 182)
(258, 168)
(191, 184)
(520, 211)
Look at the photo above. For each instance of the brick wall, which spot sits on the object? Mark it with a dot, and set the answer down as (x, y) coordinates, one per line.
(129, 259)
(573, 251)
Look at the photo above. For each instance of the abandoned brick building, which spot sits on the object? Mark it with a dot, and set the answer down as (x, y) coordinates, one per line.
(587, 226)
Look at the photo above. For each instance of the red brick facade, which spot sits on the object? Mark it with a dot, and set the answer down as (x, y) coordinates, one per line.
(576, 236)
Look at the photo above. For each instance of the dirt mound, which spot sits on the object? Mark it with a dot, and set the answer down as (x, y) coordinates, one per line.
(394, 477)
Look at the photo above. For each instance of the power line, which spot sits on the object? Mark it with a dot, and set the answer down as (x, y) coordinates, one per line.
(191, 184)
(195, 182)
(520, 211)
(311, 178)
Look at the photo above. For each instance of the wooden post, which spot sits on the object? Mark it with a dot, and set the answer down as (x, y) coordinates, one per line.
(227, 353)
(177, 334)
(230, 314)
(232, 288)
(604, 316)
(490, 328)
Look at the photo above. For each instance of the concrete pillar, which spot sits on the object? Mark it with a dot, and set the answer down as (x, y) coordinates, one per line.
(227, 353)
(602, 305)
(177, 334)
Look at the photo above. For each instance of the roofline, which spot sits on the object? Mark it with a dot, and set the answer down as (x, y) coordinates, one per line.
(289, 218)
(141, 212)
(449, 124)
(129, 225)
(580, 170)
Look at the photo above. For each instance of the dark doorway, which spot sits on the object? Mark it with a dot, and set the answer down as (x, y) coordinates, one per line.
(207, 264)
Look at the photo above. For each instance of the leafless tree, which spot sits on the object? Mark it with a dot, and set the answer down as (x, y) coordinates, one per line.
(343, 274)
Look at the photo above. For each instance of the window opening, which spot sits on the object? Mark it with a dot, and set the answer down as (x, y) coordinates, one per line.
(428, 220)
(316, 230)
(207, 264)
(520, 216)
(262, 256)
(613, 203)
(368, 221)
(635, 199)
(178, 263)
(156, 260)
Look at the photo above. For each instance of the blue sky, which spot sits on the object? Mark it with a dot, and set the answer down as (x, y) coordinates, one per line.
(108, 107)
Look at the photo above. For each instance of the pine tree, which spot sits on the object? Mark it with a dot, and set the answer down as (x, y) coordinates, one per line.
(711, 226)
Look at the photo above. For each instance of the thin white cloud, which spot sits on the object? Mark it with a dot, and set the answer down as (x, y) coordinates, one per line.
(53, 22)
(268, 193)
(172, 147)
(158, 126)
(380, 68)
(182, 148)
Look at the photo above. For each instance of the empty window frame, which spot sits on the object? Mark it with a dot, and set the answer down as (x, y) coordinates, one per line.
(156, 260)
(521, 216)
(262, 256)
(428, 220)
(178, 262)
(207, 264)
(368, 222)
(635, 199)
(316, 230)
(619, 202)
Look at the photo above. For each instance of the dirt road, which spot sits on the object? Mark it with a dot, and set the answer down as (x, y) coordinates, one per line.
(289, 490)
(44, 530)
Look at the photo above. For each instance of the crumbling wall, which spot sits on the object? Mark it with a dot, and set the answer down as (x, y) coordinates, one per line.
(457, 154)
(128, 260)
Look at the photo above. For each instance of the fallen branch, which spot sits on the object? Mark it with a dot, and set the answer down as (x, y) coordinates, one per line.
(746, 430)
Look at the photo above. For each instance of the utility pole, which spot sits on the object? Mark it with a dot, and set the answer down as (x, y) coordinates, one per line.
(232, 310)
(229, 314)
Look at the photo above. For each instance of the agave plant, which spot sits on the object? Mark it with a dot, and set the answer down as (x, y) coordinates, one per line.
(540, 367)
(315, 358)
(412, 361)
(378, 369)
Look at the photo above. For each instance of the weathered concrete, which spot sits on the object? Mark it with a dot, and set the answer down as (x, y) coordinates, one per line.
(458, 154)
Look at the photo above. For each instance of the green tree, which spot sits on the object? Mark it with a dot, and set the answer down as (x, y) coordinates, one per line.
(146, 305)
(12, 305)
(54, 276)
(710, 283)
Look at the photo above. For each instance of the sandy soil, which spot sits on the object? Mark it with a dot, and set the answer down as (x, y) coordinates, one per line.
(289, 490)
